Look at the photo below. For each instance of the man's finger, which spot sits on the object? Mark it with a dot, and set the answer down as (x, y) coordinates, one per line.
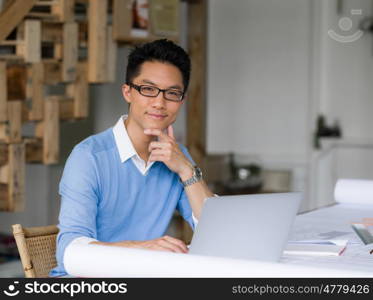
(157, 158)
(178, 242)
(156, 132)
(168, 245)
(158, 145)
(160, 152)
(170, 132)
(160, 248)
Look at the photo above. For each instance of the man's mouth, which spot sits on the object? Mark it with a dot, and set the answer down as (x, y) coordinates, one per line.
(156, 116)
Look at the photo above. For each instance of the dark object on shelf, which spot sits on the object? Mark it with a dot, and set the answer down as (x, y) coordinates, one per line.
(244, 179)
(323, 130)
(366, 24)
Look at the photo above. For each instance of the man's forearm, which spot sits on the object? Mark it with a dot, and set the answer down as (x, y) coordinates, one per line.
(164, 243)
(129, 244)
(197, 193)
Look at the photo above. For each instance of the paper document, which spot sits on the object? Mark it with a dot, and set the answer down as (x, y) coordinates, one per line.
(316, 247)
(333, 223)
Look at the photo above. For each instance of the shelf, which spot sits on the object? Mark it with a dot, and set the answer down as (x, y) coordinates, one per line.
(327, 143)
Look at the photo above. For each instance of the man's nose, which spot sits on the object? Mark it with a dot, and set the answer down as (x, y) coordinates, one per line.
(159, 101)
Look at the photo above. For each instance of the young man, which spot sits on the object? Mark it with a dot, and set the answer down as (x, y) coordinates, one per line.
(121, 187)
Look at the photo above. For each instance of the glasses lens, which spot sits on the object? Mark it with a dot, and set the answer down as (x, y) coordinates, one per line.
(174, 95)
(148, 90)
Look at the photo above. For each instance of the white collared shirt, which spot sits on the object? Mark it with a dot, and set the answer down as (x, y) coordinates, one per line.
(125, 147)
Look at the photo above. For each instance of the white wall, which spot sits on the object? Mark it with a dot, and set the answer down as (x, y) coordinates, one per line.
(347, 92)
(258, 77)
(258, 82)
(342, 91)
(272, 69)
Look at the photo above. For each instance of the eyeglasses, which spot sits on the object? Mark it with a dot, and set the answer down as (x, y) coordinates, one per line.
(152, 91)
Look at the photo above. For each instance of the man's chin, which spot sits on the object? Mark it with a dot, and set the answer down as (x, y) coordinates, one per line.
(162, 128)
(156, 125)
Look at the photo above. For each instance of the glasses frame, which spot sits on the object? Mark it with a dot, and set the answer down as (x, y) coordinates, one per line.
(138, 88)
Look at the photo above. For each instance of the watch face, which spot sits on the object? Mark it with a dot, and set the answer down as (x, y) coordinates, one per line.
(198, 172)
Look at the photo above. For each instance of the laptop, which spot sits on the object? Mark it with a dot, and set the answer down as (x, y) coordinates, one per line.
(252, 227)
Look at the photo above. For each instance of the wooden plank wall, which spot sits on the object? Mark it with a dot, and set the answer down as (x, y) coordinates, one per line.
(196, 100)
(196, 103)
(51, 45)
(46, 51)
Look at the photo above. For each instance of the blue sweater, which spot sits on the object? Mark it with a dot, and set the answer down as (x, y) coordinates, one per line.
(111, 201)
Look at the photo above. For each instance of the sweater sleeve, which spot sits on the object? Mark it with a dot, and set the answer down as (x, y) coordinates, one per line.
(79, 191)
(185, 209)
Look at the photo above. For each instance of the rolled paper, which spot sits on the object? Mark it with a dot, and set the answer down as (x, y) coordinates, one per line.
(88, 260)
(354, 191)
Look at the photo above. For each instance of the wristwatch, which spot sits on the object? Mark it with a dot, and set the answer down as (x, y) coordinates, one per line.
(197, 176)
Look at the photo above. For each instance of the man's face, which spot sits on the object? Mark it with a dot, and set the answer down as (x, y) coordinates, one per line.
(154, 112)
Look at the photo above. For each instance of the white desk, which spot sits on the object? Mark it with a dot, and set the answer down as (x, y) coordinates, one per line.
(334, 222)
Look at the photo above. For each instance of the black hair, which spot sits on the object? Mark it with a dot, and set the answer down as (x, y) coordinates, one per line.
(162, 50)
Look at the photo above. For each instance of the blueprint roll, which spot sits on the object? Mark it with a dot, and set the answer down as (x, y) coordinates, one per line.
(354, 191)
(87, 260)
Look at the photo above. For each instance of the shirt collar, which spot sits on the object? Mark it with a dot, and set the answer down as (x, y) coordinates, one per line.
(123, 141)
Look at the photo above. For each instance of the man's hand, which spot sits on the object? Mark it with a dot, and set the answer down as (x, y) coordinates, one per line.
(164, 243)
(168, 151)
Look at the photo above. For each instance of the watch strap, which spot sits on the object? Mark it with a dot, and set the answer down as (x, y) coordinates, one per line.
(197, 176)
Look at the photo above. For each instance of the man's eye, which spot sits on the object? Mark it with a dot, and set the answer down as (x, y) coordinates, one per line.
(148, 89)
(174, 93)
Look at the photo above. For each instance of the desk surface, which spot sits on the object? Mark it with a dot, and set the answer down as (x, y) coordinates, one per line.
(334, 222)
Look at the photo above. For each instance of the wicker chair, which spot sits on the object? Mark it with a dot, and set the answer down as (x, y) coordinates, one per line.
(37, 249)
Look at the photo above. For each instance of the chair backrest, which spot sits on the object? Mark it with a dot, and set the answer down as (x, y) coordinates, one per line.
(37, 249)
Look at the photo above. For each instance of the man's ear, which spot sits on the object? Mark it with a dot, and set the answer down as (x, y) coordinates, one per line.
(126, 92)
